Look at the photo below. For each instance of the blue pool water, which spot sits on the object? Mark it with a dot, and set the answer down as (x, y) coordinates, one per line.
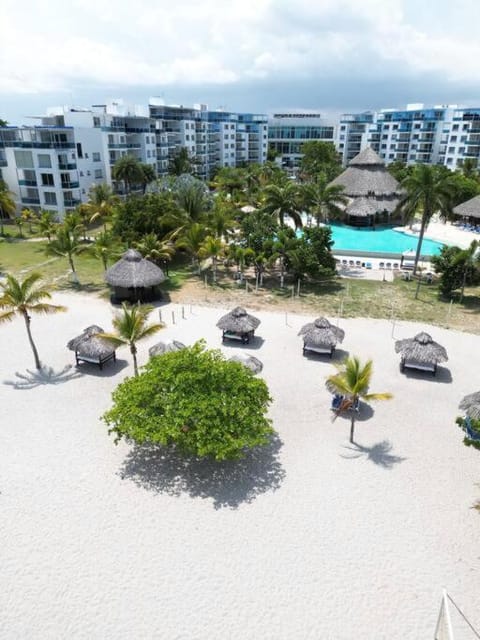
(383, 239)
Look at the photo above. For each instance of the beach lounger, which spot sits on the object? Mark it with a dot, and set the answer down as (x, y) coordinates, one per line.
(320, 349)
(358, 263)
(368, 265)
(431, 367)
(388, 265)
(382, 265)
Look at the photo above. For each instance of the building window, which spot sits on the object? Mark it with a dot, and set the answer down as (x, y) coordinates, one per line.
(96, 121)
(47, 179)
(451, 149)
(449, 160)
(465, 127)
(96, 156)
(461, 150)
(50, 197)
(98, 173)
(44, 161)
(463, 139)
(453, 138)
(455, 127)
(79, 150)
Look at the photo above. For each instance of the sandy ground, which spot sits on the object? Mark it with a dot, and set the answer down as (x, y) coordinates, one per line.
(310, 538)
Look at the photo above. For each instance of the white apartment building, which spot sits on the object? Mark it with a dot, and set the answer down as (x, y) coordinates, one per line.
(443, 135)
(287, 132)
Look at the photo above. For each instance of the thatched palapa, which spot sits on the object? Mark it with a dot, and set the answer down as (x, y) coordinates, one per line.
(87, 333)
(321, 332)
(238, 325)
(421, 352)
(469, 208)
(165, 346)
(134, 278)
(471, 405)
(254, 364)
(372, 188)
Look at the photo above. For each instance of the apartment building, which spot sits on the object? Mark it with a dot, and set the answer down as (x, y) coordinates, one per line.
(443, 135)
(287, 132)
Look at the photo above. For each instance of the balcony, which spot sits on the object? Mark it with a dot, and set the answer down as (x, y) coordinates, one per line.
(27, 183)
(67, 167)
(71, 202)
(29, 144)
(121, 145)
(30, 200)
(3, 162)
(70, 185)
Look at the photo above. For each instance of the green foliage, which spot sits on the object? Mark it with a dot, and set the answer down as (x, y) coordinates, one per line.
(257, 228)
(399, 170)
(129, 170)
(468, 442)
(458, 268)
(464, 187)
(322, 200)
(311, 254)
(195, 400)
(154, 249)
(283, 200)
(141, 215)
(181, 162)
(320, 157)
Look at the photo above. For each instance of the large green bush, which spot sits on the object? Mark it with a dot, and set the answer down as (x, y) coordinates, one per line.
(196, 400)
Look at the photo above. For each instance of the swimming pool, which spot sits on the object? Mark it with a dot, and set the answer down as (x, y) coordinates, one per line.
(381, 240)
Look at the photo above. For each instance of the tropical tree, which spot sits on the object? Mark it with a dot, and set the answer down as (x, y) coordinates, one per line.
(320, 157)
(83, 212)
(148, 174)
(24, 298)
(212, 248)
(191, 197)
(131, 327)
(230, 180)
(46, 224)
(66, 244)
(192, 240)
(428, 190)
(221, 220)
(283, 200)
(284, 242)
(102, 203)
(181, 162)
(29, 216)
(104, 247)
(458, 268)
(470, 167)
(352, 381)
(7, 205)
(323, 200)
(154, 249)
(3, 123)
(129, 170)
(196, 401)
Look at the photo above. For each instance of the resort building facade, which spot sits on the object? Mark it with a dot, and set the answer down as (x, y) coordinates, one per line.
(443, 135)
(287, 132)
(53, 164)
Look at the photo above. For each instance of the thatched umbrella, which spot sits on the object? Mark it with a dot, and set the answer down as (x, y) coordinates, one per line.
(165, 346)
(421, 349)
(471, 405)
(87, 333)
(321, 332)
(254, 364)
(134, 278)
(95, 347)
(468, 209)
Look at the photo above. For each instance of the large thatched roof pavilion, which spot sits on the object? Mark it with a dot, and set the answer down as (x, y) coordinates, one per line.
(134, 278)
(371, 188)
(469, 209)
(421, 352)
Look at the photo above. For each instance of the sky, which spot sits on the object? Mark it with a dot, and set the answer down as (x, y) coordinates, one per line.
(328, 56)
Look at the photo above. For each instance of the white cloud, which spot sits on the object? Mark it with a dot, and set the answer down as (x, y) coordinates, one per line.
(55, 46)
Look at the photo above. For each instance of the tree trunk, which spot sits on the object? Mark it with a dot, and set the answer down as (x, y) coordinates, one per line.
(425, 219)
(214, 269)
(38, 364)
(464, 282)
(133, 351)
(72, 267)
(105, 263)
(352, 424)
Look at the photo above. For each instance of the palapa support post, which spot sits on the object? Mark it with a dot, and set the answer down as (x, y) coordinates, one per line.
(173, 317)
(160, 315)
(183, 312)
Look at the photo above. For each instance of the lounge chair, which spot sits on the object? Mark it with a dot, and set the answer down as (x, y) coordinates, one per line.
(358, 263)
(320, 349)
(351, 263)
(388, 265)
(336, 402)
(368, 265)
(396, 265)
(382, 265)
(431, 367)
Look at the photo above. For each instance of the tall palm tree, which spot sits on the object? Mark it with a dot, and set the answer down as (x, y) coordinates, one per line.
(46, 224)
(212, 248)
(181, 162)
(24, 298)
(66, 244)
(104, 248)
(29, 216)
(221, 221)
(428, 190)
(283, 200)
(284, 243)
(148, 175)
(352, 382)
(469, 259)
(131, 327)
(128, 169)
(323, 200)
(7, 205)
(191, 197)
(191, 240)
(102, 202)
(154, 249)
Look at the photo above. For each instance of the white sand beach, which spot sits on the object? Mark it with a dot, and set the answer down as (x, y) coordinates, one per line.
(311, 538)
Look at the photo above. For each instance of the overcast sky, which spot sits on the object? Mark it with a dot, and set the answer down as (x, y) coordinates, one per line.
(247, 55)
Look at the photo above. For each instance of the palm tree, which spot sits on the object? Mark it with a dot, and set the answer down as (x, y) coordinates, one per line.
(428, 190)
(102, 202)
(67, 245)
(181, 162)
(29, 216)
(283, 200)
(104, 248)
(283, 244)
(352, 382)
(131, 327)
(148, 175)
(470, 167)
(25, 298)
(46, 224)
(128, 169)
(469, 259)
(7, 204)
(221, 221)
(191, 240)
(191, 197)
(154, 249)
(212, 248)
(323, 200)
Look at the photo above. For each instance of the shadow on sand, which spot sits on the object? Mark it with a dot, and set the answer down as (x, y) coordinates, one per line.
(46, 375)
(227, 484)
(378, 453)
(443, 375)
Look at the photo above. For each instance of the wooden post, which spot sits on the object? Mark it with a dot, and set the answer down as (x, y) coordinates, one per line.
(173, 317)
(293, 291)
(449, 313)
(205, 281)
(160, 315)
(298, 288)
(183, 313)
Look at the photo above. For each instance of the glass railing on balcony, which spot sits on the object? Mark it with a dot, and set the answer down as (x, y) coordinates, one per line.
(70, 185)
(29, 144)
(3, 162)
(71, 202)
(71, 166)
(27, 183)
(117, 145)
(30, 200)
